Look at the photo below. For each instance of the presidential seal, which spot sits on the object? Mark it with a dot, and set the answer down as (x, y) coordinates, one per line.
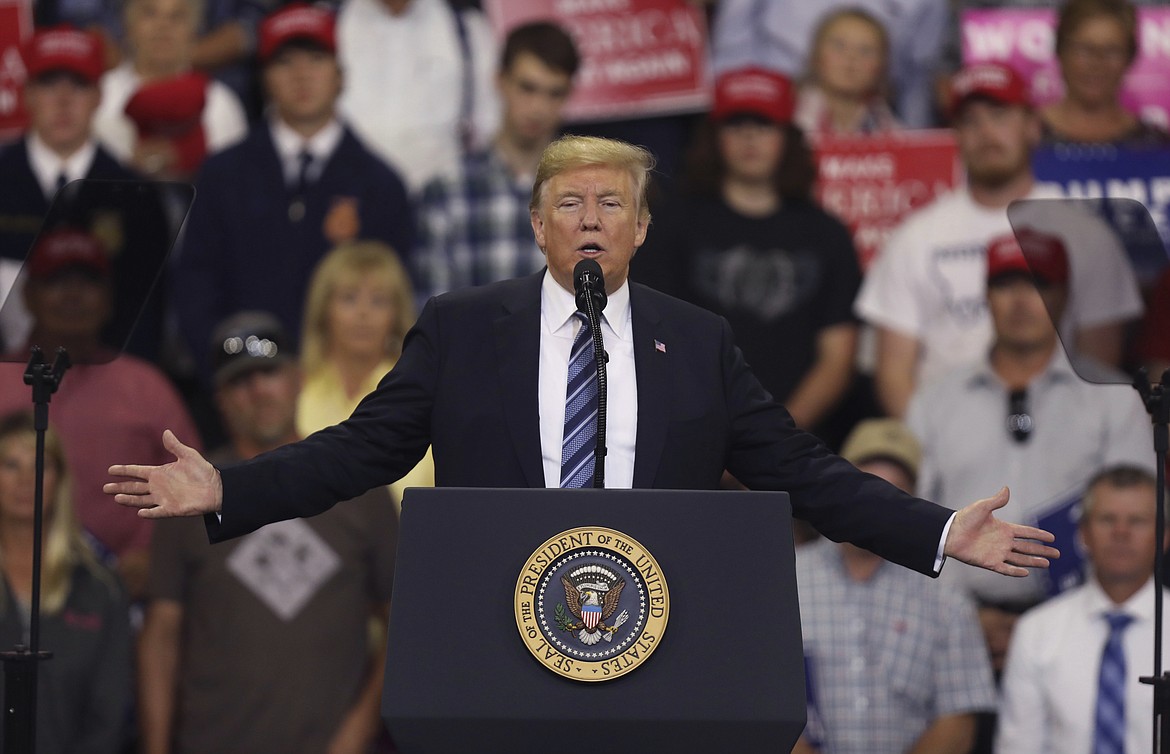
(591, 604)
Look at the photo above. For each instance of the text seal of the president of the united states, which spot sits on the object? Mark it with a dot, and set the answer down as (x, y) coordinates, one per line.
(591, 604)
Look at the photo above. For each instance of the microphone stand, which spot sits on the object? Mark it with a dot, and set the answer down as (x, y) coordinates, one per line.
(1157, 400)
(20, 665)
(600, 357)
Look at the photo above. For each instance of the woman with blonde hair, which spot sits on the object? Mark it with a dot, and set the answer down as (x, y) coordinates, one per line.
(359, 307)
(84, 690)
(845, 87)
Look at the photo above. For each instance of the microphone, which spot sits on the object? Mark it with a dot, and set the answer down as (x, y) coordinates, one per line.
(589, 283)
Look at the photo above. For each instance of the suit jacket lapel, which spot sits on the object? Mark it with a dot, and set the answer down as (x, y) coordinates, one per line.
(653, 373)
(517, 334)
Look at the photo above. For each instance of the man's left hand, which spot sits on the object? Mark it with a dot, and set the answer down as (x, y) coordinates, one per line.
(977, 537)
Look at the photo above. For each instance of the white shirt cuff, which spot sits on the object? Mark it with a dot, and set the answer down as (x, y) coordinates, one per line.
(939, 558)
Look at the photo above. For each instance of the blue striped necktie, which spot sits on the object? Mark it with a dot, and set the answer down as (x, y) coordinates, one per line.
(1109, 727)
(579, 442)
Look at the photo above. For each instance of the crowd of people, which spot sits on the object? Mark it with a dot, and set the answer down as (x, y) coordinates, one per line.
(353, 160)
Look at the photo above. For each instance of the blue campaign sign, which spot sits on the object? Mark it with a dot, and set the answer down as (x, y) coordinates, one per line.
(1120, 182)
(1061, 517)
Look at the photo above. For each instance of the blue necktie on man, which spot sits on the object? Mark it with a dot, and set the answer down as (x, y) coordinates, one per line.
(579, 443)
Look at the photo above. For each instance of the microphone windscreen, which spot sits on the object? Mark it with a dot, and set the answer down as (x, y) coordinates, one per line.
(588, 282)
(584, 267)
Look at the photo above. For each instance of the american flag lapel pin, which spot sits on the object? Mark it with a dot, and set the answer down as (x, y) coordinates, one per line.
(659, 346)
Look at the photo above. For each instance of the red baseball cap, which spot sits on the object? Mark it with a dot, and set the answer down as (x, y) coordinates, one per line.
(993, 81)
(64, 48)
(172, 108)
(64, 248)
(1040, 256)
(296, 21)
(754, 91)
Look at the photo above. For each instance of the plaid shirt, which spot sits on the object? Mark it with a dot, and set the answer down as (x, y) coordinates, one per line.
(887, 656)
(474, 229)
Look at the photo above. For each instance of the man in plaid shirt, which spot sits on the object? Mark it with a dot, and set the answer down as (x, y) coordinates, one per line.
(475, 228)
(895, 664)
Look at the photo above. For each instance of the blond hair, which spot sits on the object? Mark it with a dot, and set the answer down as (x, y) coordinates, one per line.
(572, 152)
(356, 260)
(65, 547)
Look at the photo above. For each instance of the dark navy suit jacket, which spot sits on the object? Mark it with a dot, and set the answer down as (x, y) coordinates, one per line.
(241, 250)
(145, 237)
(467, 385)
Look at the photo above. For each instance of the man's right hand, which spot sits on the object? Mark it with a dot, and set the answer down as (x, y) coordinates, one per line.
(190, 486)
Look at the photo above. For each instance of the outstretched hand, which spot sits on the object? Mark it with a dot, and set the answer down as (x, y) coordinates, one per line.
(977, 537)
(189, 486)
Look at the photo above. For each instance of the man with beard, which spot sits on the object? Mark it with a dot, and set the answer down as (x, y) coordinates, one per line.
(926, 293)
(475, 228)
(282, 617)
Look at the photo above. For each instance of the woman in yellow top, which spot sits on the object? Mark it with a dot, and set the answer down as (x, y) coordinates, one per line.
(359, 308)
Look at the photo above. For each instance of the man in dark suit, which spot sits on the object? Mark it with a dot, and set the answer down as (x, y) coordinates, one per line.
(269, 208)
(64, 66)
(482, 379)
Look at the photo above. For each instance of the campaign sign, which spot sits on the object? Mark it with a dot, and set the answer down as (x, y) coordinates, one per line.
(638, 57)
(1100, 173)
(1025, 39)
(15, 29)
(872, 182)
(1062, 517)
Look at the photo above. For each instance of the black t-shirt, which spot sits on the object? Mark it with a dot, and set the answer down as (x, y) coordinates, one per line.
(778, 279)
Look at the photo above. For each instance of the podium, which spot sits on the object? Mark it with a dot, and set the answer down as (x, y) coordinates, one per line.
(726, 673)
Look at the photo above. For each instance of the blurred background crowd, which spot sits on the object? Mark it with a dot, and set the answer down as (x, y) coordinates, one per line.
(897, 206)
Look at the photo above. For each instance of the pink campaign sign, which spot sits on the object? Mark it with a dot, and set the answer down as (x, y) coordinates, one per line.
(1025, 40)
(639, 57)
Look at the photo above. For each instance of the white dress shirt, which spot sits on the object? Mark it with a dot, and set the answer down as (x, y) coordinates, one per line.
(47, 165)
(1049, 691)
(558, 329)
(289, 144)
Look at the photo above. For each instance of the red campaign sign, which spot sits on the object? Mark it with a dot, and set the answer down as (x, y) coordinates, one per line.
(15, 29)
(872, 182)
(639, 57)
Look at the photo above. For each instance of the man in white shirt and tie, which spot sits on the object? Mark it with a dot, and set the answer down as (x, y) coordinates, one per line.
(1070, 685)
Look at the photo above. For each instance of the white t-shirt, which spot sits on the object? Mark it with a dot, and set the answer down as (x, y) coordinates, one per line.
(930, 280)
(404, 84)
(224, 120)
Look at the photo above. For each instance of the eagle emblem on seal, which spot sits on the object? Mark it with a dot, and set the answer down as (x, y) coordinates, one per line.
(592, 593)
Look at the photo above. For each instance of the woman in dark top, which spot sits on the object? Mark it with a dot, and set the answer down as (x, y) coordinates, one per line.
(1096, 42)
(746, 240)
(83, 693)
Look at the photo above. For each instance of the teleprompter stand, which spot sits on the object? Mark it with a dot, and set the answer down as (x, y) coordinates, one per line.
(20, 664)
(117, 233)
(1156, 396)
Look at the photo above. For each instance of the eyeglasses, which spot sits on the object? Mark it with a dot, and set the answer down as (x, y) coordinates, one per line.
(1019, 421)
